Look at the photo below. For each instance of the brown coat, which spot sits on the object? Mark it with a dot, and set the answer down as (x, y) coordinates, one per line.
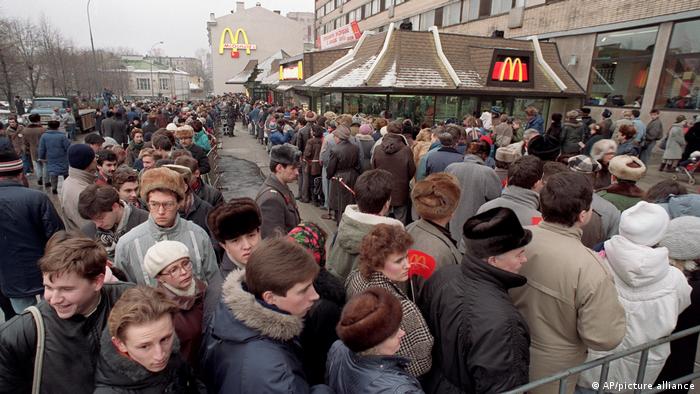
(312, 153)
(188, 320)
(396, 157)
(569, 302)
(344, 163)
(32, 134)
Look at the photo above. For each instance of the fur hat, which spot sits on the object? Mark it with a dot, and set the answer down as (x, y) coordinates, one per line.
(310, 116)
(602, 148)
(583, 164)
(342, 132)
(544, 147)
(628, 168)
(80, 156)
(368, 319)
(681, 238)
(184, 132)
(171, 127)
(509, 154)
(162, 178)
(231, 220)
(494, 232)
(285, 154)
(162, 254)
(182, 170)
(437, 196)
(644, 223)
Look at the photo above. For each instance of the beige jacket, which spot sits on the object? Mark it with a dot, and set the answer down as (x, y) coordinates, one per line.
(76, 182)
(569, 302)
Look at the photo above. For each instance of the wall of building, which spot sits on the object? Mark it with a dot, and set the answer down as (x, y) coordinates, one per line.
(269, 31)
(177, 85)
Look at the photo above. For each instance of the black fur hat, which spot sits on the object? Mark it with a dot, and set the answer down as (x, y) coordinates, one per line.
(494, 232)
(231, 220)
(285, 154)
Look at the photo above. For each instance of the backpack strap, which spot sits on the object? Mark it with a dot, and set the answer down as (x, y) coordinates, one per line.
(40, 340)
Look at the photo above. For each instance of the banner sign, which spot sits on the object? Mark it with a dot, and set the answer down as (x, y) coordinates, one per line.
(233, 44)
(511, 68)
(295, 72)
(342, 35)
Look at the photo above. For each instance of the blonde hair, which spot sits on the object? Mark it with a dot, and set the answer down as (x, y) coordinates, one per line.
(138, 305)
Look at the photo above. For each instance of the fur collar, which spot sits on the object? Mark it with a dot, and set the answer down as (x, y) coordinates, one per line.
(353, 212)
(253, 315)
(625, 189)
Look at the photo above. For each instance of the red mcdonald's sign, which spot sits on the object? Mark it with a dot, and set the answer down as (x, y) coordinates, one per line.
(510, 70)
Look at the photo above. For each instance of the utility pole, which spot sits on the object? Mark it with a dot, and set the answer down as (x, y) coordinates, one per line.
(151, 80)
(92, 44)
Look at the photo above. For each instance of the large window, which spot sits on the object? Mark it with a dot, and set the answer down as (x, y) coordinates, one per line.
(450, 14)
(164, 84)
(454, 107)
(519, 105)
(470, 10)
(620, 67)
(332, 102)
(501, 6)
(680, 78)
(427, 19)
(143, 84)
(417, 108)
(368, 104)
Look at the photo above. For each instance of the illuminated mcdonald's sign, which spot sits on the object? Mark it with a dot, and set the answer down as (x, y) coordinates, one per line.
(511, 67)
(233, 44)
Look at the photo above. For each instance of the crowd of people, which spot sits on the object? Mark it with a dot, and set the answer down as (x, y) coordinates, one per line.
(472, 257)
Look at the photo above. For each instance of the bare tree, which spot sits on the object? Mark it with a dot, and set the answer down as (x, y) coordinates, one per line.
(28, 50)
(8, 63)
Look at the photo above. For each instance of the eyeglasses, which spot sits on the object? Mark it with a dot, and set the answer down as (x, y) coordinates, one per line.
(167, 205)
(184, 267)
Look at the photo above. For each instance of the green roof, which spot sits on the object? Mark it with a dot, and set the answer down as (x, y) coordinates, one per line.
(144, 65)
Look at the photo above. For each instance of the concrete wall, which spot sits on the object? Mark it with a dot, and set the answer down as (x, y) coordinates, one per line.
(269, 31)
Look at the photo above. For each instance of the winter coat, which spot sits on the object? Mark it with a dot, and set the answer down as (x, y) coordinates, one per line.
(479, 184)
(503, 134)
(32, 136)
(77, 181)
(201, 156)
(569, 284)
(554, 130)
(436, 242)
(53, 147)
(209, 194)
(684, 205)
(249, 347)
(417, 344)
(319, 326)
(344, 162)
(441, 158)
(606, 127)
(133, 245)
(345, 251)
(536, 123)
(115, 128)
(197, 212)
(350, 373)
(132, 217)
(524, 202)
(365, 143)
(629, 147)
(396, 157)
(17, 138)
(653, 294)
(622, 195)
(692, 137)
(609, 215)
(202, 139)
(303, 136)
(675, 143)
(278, 208)
(278, 138)
(132, 153)
(118, 374)
(655, 131)
(423, 160)
(312, 155)
(571, 135)
(27, 220)
(482, 341)
(71, 349)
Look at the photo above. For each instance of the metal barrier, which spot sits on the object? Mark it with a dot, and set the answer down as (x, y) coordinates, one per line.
(605, 363)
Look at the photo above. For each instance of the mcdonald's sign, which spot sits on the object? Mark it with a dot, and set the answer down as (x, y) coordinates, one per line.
(511, 67)
(233, 44)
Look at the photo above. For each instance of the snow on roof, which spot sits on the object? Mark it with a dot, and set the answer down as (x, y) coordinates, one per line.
(389, 79)
(356, 75)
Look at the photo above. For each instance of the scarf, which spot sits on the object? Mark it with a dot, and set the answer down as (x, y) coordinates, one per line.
(109, 238)
(189, 292)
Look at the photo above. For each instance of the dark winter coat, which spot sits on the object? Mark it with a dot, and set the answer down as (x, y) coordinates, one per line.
(312, 153)
(319, 326)
(440, 159)
(70, 354)
(622, 195)
(53, 147)
(481, 340)
(136, 217)
(198, 212)
(396, 157)
(249, 347)
(115, 128)
(344, 163)
(27, 220)
(692, 137)
(571, 135)
(278, 208)
(554, 130)
(117, 374)
(303, 136)
(201, 156)
(365, 143)
(209, 194)
(350, 373)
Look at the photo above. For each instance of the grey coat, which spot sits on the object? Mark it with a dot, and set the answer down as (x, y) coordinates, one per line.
(524, 202)
(429, 239)
(609, 215)
(675, 143)
(277, 207)
(114, 128)
(655, 130)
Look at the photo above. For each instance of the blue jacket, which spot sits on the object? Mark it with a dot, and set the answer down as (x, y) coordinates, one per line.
(349, 373)
(248, 347)
(439, 160)
(53, 147)
(536, 123)
(27, 220)
(278, 138)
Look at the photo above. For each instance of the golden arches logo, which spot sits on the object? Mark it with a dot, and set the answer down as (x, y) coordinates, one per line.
(512, 65)
(234, 46)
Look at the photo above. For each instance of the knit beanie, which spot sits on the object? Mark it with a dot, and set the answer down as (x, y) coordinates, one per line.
(644, 223)
(162, 254)
(342, 132)
(10, 163)
(312, 238)
(80, 156)
(366, 129)
(368, 319)
(681, 238)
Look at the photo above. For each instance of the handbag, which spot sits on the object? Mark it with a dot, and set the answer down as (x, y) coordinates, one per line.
(40, 341)
(662, 144)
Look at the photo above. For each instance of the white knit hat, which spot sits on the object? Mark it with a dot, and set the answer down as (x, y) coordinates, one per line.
(644, 223)
(681, 238)
(162, 254)
(171, 127)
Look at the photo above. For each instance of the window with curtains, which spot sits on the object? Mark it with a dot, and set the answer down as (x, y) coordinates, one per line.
(620, 67)
(679, 87)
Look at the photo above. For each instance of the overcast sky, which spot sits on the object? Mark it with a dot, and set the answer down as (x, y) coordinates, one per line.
(138, 24)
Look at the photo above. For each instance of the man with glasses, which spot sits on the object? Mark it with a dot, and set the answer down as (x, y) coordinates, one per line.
(163, 190)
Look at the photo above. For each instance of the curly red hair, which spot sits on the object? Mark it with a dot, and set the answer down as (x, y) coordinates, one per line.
(378, 244)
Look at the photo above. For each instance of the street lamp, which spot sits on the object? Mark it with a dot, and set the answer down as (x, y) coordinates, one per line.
(92, 44)
(153, 46)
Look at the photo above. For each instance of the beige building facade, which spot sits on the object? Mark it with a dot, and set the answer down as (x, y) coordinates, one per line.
(249, 34)
(625, 54)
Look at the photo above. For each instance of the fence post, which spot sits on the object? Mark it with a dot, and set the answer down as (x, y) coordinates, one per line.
(603, 376)
(642, 369)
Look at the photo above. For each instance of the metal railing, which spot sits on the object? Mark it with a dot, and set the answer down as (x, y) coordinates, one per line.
(605, 363)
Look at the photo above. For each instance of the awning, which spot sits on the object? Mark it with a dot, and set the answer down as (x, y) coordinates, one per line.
(283, 88)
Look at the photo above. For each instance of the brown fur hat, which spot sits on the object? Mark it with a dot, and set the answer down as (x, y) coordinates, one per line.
(368, 319)
(234, 218)
(182, 170)
(437, 196)
(162, 178)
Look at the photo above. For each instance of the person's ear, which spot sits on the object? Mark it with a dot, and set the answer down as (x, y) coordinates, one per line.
(269, 297)
(98, 282)
(121, 347)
